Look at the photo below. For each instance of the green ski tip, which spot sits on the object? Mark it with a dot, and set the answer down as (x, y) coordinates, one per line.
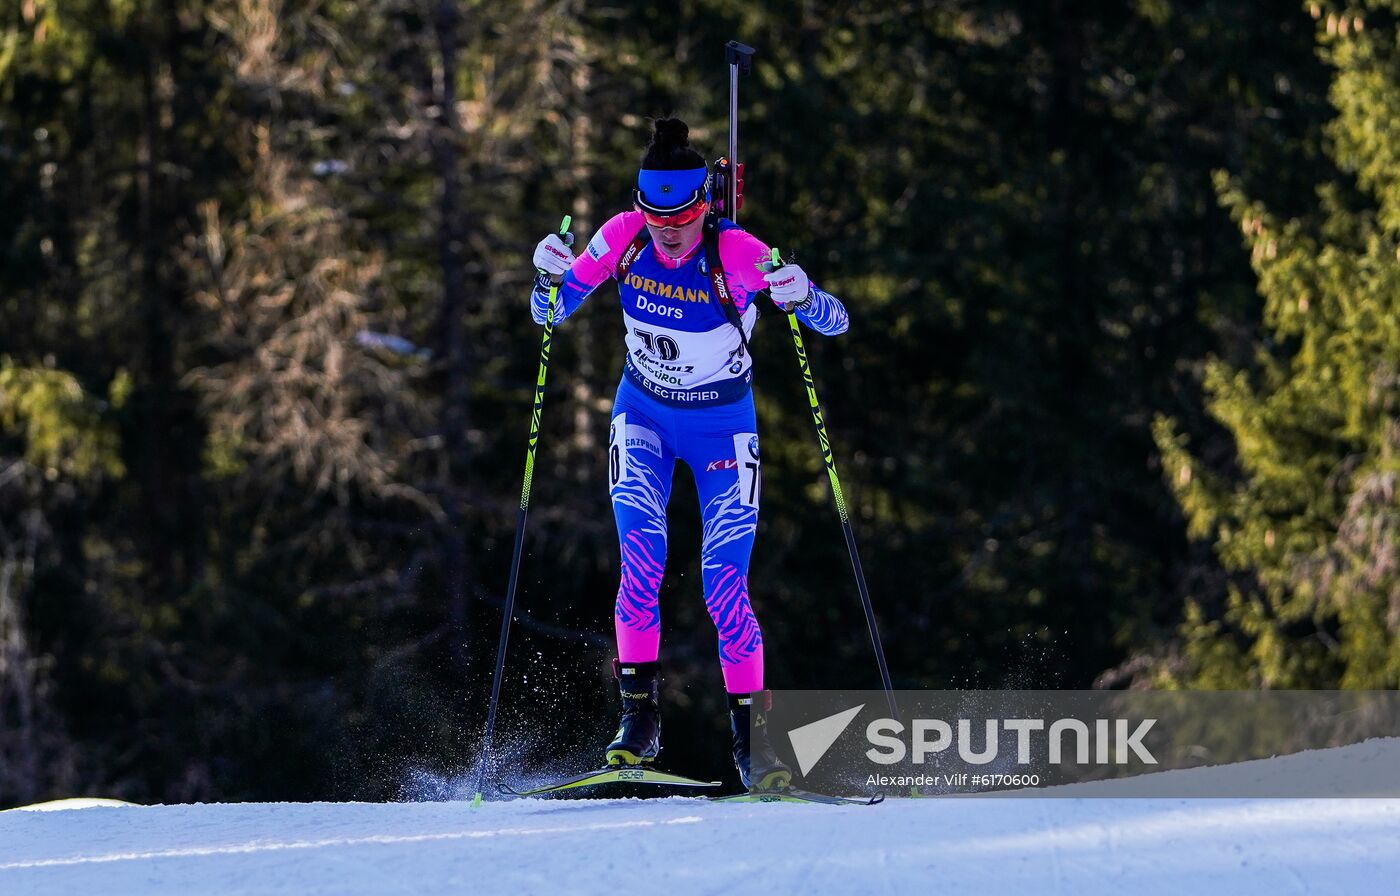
(618, 774)
(476, 800)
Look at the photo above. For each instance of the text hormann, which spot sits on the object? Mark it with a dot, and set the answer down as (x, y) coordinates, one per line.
(667, 290)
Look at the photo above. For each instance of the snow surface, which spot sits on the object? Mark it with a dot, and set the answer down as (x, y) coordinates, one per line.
(676, 846)
(1368, 769)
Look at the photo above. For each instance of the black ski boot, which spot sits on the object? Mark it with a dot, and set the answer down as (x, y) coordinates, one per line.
(638, 737)
(759, 767)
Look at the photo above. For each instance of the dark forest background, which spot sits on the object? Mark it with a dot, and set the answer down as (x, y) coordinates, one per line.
(1117, 408)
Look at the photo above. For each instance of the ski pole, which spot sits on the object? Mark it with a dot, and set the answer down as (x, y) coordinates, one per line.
(509, 606)
(839, 498)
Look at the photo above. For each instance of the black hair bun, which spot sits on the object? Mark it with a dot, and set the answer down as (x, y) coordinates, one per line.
(671, 132)
(669, 149)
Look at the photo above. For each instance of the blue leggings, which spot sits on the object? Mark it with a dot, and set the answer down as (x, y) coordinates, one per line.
(720, 445)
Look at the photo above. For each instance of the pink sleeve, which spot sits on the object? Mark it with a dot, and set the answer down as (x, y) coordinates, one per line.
(739, 253)
(598, 261)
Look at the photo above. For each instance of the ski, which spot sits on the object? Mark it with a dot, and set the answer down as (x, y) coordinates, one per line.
(795, 795)
(622, 775)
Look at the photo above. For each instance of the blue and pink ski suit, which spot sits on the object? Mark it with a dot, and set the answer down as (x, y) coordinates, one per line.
(685, 394)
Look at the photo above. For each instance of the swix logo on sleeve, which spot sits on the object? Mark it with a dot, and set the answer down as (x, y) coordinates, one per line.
(630, 255)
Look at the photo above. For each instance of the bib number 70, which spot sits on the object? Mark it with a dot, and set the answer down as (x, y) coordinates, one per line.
(663, 346)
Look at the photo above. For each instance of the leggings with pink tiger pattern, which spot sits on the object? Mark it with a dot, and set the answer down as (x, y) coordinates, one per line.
(720, 446)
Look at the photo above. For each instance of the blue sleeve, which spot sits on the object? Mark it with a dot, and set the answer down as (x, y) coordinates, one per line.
(571, 295)
(824, 313)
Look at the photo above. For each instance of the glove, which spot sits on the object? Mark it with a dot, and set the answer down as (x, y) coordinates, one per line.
(553, 257)
(789, 287)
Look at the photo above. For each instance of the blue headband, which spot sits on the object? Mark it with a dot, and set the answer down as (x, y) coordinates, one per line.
(665, 192)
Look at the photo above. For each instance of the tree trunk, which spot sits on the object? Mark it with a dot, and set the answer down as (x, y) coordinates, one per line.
(445, 132)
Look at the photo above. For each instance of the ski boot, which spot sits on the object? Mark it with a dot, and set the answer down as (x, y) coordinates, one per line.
(638, 737)
(759, 767)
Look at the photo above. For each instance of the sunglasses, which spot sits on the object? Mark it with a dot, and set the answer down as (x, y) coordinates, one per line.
(679, 219)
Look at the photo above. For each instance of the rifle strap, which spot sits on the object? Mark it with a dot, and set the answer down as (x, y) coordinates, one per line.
(634, 251)
(716, 272)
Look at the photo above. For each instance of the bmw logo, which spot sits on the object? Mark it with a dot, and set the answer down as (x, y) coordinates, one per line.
(753, 447)
(612, 433)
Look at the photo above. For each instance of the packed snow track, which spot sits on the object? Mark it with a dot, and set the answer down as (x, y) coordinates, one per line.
(681, 845)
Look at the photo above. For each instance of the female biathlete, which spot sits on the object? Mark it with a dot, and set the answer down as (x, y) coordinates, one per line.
(684, 395)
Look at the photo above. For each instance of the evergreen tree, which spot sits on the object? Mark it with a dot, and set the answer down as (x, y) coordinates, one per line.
(266, 360)
(56, 443)
(1306, 517)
